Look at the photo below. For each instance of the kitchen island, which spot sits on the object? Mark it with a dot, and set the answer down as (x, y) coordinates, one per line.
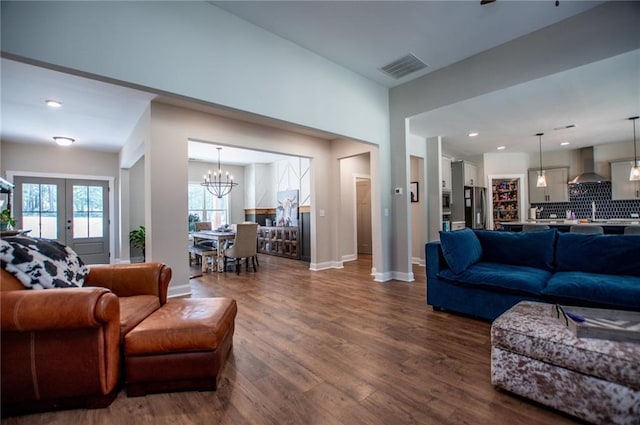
(611, 226)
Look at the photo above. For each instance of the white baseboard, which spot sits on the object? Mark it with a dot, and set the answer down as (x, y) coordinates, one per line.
(417, 260)
(349, 257)
(404, 277)
(179, 291)
(325, 266)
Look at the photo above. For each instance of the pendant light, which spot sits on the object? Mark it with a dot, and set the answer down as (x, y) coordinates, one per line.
(542, 179)
(634, 175)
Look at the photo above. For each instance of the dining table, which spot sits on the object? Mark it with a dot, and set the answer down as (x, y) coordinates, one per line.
(221, 237)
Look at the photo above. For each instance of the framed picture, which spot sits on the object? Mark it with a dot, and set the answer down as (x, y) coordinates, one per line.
(287, 209)
(413, 190)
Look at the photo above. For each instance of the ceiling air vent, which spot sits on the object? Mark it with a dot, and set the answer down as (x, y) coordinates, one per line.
(403, 66)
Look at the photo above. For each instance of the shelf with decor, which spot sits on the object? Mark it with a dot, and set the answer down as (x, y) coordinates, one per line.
(280, 241)
(505, 200)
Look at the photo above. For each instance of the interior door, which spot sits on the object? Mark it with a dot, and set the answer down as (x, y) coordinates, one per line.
(72, 212)
(363, 196)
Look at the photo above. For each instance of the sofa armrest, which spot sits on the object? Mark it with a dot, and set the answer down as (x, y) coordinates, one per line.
(55, 309)
(435, 259)
(126, 280)
(59, 347)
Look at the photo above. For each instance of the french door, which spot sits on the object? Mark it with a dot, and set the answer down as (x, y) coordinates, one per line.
(72, 212)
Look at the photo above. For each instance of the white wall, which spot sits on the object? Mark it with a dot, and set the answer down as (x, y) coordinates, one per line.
(292, 173)
(259, 179)
(136, 190)
(418, 224)
(199, 51)
(136, 200)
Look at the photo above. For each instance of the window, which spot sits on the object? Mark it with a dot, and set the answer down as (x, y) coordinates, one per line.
(88, 211)
(40, 210)
(208, 207)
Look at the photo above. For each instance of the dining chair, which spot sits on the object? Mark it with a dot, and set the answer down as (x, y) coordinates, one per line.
(205, 225)
(202, 225)
(244, 246)
(531, 227)
(632, 230)
(587, 229)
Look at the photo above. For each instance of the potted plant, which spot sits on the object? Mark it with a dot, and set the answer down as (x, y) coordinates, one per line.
(193, 219)
(137, 240)
(6, 219)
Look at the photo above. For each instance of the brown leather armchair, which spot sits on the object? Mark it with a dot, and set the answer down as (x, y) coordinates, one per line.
(61, 348)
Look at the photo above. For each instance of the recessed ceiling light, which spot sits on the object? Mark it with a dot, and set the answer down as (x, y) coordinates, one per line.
(501, 148)
(63, 141)
(53, 103)
(565, 143)
(473, 134)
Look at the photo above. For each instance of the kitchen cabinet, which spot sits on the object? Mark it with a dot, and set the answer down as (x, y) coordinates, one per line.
(464, 173)
(470, 174)
(445, 164)
(557, 189)
(621, 187)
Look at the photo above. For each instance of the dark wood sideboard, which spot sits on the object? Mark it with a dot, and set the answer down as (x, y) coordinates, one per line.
(280, 241)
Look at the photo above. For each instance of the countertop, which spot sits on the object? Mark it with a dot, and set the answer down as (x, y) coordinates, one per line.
(563, 222)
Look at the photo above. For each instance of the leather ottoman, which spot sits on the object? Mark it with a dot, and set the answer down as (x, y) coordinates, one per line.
(180, 347)
(535, 356)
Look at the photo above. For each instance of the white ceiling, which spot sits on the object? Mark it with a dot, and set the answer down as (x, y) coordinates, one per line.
(362, 36)
(365, 35)
(97, 115)
(597, 98)
(207, 152)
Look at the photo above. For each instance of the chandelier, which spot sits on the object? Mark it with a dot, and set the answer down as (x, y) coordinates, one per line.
(215, 184)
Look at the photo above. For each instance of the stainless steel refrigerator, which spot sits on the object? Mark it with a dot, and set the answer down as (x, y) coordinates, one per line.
(475, 207)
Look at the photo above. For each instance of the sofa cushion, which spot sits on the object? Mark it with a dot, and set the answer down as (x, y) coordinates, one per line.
(605, 254)
(595, 289)
(503, 277)
(531, 249)
(42, 263)
(460, 248)
(135, 309)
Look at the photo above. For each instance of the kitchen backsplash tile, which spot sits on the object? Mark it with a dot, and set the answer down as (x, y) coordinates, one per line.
(581, 204)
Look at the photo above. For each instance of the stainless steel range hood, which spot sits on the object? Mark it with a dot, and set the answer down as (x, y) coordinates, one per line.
(588, 169)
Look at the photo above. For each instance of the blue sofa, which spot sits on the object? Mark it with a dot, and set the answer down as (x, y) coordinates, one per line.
(483, 273)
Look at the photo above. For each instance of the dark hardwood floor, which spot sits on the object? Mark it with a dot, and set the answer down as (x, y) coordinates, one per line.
(333, 347)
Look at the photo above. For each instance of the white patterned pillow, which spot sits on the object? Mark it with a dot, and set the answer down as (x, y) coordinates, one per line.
(42, 263)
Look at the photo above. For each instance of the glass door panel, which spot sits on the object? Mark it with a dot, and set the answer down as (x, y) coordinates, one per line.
(88, 211)
(38, 209)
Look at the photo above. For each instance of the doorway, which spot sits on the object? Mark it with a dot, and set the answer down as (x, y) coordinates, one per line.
(71, 211)
(363, 215)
